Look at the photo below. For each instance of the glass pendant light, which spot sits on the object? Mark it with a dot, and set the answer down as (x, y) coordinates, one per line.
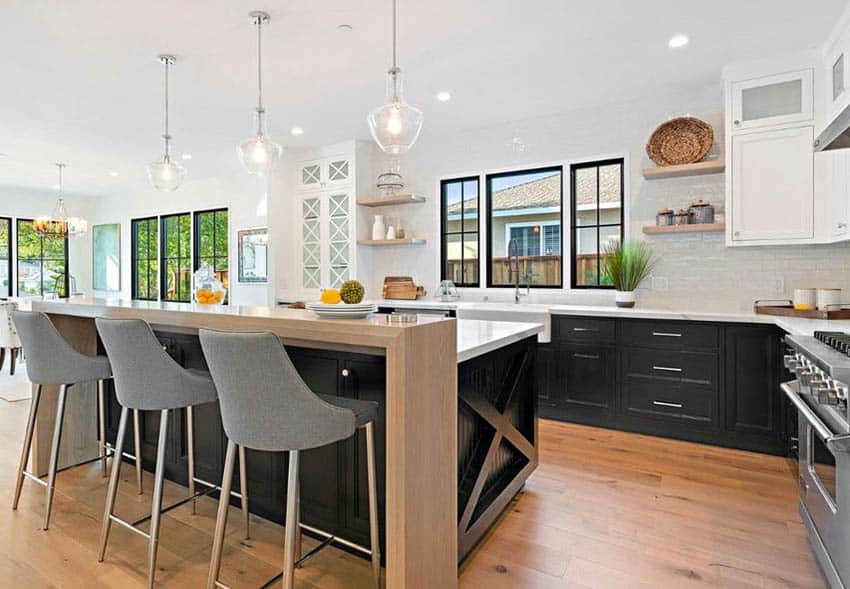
(59, 223)
(396, 125)
(165, 174)
(259, 152)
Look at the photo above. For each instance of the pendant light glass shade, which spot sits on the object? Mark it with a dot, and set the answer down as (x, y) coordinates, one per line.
(259, 153)
(165, 174)
(396, 125)
(59, 223)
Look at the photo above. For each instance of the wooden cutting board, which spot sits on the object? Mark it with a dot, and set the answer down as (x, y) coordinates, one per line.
(401, 288)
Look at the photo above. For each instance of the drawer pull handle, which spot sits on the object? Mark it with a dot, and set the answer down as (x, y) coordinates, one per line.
(665, 334)
(665, 404)
(667, 368)
(586, 356)
(585, 329)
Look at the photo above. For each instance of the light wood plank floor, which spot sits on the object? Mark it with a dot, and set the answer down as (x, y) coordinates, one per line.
(605, 509)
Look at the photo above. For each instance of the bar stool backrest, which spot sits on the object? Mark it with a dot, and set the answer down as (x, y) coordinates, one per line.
(8, 335)
(146, 377)
(265, 404)
(50, 358)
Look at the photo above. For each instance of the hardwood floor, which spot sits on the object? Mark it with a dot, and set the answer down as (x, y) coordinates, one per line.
(604, 509)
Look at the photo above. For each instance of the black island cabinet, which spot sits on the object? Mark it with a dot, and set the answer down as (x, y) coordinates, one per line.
(497, 441)
(710, 382)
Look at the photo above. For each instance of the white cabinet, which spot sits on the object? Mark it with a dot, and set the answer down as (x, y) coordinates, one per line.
(770, 101)
(772, 187)
(326, 240)
(320, 174)
(832, 192)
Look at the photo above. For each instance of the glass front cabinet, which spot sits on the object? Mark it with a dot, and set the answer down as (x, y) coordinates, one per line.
(772, 101)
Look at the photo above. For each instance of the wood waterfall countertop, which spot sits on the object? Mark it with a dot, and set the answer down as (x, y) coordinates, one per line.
(421, 409)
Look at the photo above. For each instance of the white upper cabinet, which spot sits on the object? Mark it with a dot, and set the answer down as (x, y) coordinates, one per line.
(772, 196)
(325, 173)
(772, 101)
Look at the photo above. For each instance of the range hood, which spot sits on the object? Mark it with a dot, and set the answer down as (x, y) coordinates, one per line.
(837, 133)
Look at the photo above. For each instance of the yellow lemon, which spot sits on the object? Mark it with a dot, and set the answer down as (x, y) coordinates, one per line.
(331, 296)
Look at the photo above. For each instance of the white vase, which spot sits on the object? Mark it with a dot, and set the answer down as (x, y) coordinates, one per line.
(625, 298)
(378, 229)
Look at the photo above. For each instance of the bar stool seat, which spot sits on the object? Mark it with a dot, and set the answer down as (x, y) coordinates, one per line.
(266, 405)
(51, 361)
(364, 411)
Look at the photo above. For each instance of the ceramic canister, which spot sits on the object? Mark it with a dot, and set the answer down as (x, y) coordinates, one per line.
(827, 297)
(805, 299)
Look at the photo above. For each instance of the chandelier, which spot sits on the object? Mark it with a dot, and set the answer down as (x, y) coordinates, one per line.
(59, 224)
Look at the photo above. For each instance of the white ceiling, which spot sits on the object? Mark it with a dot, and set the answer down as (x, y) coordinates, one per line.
(80, 82)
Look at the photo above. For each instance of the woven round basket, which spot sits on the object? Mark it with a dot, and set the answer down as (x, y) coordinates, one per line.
(683, 140)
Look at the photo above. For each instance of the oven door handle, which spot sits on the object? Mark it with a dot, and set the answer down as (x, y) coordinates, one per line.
(839, 442)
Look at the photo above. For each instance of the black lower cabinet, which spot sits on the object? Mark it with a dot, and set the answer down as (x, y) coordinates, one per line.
(700, 381)
(334, 490)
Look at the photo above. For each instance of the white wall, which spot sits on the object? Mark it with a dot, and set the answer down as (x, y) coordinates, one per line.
(30, 204)
(243, 195)
(695, 271)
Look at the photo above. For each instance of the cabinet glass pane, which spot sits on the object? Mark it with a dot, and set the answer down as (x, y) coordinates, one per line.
(838, 77)
(310, 175)
(772, 100)
(310, 240)
(338, 170)
(338, 230)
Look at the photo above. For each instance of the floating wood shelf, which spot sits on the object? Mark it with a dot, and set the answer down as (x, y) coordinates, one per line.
(390, 242)
(698, 169)
(692, 228)
(386, 201)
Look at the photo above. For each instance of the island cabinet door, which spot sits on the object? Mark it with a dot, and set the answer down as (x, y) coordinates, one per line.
(550, 387)
(753, 371)
(589, 379)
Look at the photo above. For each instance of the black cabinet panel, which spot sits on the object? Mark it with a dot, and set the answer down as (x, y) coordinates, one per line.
(584, 329)
(676, 335)
(590, 376)
(753, 371)
(550, 389)
(670, 400)
(695, 369)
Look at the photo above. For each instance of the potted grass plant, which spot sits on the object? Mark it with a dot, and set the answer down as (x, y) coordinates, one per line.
(625, 265)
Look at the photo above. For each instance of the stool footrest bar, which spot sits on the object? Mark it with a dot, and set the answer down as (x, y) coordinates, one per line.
(35, 479)
(174, 505)
(129, 526)
(216, 487)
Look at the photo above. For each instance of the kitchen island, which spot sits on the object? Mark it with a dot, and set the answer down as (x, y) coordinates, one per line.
(457, 425)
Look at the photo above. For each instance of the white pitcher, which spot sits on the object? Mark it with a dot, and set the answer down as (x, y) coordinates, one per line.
(378, 229)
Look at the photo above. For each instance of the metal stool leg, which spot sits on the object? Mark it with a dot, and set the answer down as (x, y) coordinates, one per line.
(243, 491)
(373, 504)
(101, 429)
(221, 517)
(113, 484)
(291, 524)
(190, 443)
(298, 551)
(137, 436)
(54, 453)
(25, 451)
(156, 506)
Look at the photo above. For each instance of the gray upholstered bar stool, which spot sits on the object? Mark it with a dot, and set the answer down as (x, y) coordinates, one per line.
(52, 361)
(148, 379)
(265, 405)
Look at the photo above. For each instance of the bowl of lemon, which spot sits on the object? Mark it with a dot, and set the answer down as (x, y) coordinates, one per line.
(343, 303)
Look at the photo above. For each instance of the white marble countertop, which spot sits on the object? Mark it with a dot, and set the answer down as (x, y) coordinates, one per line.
(476, 338)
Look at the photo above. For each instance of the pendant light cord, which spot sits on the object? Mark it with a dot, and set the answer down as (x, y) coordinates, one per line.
(260, 65)
(395, 34)
(166, 136)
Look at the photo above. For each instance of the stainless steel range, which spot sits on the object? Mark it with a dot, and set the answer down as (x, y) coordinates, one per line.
(821, 365)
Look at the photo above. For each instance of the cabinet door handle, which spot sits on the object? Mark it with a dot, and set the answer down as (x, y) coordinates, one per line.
(667, 368)
(737, 123)
(665, 334)
(666, 404)
(585, 329)
(586, 356)
(345, 372)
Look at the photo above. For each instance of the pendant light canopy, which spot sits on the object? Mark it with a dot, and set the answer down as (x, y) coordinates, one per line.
(396, 125)
(165, 174)
(259, 153)
(59, 224)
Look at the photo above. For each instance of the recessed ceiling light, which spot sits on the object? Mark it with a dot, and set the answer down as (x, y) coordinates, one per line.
(345, 28)
(444, 96)
(297, 131)
(113, 173)
(677, 41)
(186, 156)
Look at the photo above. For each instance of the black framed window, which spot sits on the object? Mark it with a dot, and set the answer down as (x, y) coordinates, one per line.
(212, 243)
(459, 227)
(175, 251)
(597, 203)
(525, 207)
(5, 257)
(42, 262)
(145, 262)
